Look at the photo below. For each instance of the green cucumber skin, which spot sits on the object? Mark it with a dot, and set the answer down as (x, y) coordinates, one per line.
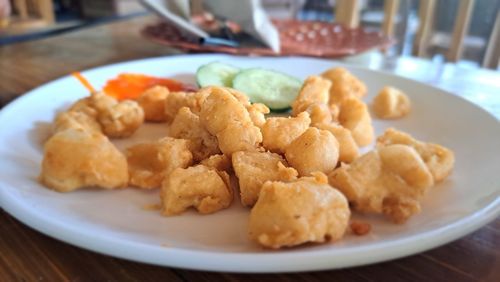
(272, 88)
(216, 74)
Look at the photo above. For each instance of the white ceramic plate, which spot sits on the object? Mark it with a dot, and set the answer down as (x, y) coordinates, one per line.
(115, 222)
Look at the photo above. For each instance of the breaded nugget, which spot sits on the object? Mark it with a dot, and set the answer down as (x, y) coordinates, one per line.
(153, 101)
(220, 109)
(255, 168)
(198, 186)
(348, 149)
(279, 132)
(187, 125)
(75, 158)
(391, 103)
(315, 90)
(344, 85)
(219, 162)
(390, 180)
(76, 120)
(314, 150)
(150, 163)
(354, 116)
(257, 112)
(293, 213)
(84, 105)
(440, 160)
(177, 100)
(228, 119)
(239, 137)
(117, 119)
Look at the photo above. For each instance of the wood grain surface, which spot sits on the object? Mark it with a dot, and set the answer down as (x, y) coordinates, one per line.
(27, 255)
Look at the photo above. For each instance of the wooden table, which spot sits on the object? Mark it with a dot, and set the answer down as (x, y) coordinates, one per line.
(26, 255)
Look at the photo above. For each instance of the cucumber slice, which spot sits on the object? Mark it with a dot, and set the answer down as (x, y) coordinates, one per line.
(274, 89)
(216, 74)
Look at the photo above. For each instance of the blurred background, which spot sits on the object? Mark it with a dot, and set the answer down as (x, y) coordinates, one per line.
(423, 28)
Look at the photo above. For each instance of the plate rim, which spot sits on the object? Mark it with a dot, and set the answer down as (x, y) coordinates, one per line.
(249, 262)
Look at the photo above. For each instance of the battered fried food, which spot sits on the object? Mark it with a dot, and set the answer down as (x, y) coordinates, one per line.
(219, 162)
(391, 103)
(348, 149)
(187, 125)
(255, 168)
(257, 112)
(177, 100)
(117, 119)
(354, 116)
(439, 160)
(228, 119)
(75, 158)
(390, 180)
(220, 109)
(76, 120)
(200, 187)
(239, 137)
(314, 150)
(279, 132)
(293, 213)
(344, 85)
(150, 163)
(152, 101)
(315, 90)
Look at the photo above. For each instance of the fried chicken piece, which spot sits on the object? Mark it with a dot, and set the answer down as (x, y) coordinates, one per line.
(187, 125)
(220, 109)
(279, 132)
(348, 149)
(314, 150)
(84, 105)
(255, 168)
(76, 120)
(440, 160)
(75, 158)
(228, 119)
(117, 119)
(257, 112)
(153, 101)
(354, 116)
(390, 180)
(219, 162)
(177, 100)
(239, 137)
(150, 163)
(200, 187)
(344, 85)
(391, 103)
(315, 90)
(293, 213)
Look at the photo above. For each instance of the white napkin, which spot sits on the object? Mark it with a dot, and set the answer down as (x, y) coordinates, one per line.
(250, 15)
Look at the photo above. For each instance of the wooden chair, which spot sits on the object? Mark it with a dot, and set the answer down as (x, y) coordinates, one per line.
(453, 42)
(31, 14)
(492, 55)
(347, 13)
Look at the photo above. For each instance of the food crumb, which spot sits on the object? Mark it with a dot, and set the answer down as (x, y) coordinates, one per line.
(360, 228)
(151, 207)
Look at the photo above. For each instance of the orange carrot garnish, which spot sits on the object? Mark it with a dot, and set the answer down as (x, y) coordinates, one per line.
(83, 81)
(131, 86)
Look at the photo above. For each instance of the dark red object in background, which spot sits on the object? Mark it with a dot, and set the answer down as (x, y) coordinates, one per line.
(299, 38)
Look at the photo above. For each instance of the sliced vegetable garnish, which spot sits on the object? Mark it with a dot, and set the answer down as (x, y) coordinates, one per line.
(131, 86)
(274, 89)
(216, 74)
(83, 81)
